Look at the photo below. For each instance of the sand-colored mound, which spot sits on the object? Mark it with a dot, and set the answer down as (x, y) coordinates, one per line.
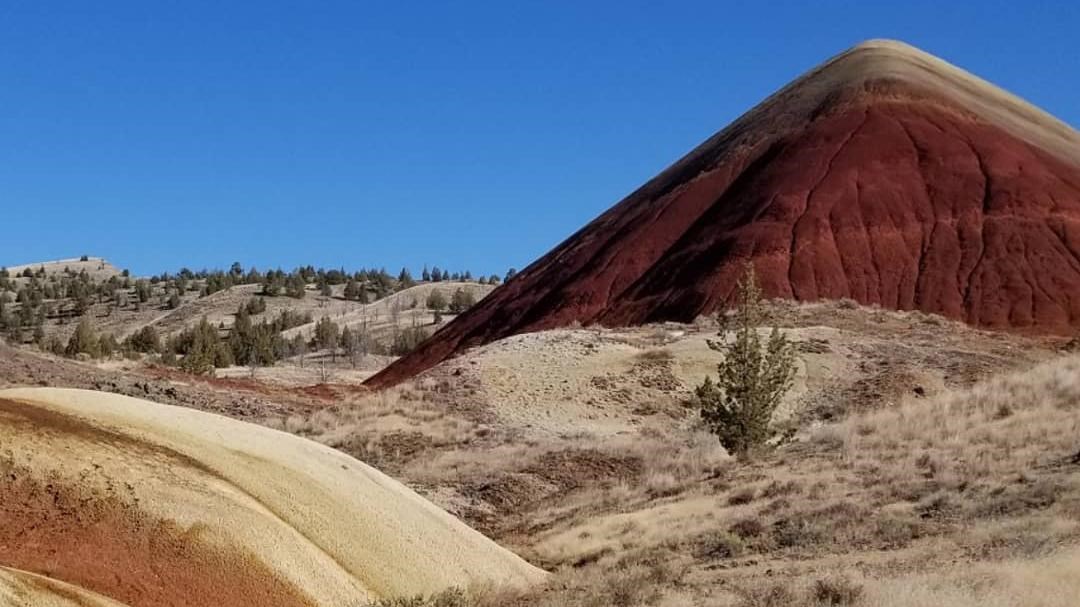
(884, 175)
(22, 589)
(151, 504)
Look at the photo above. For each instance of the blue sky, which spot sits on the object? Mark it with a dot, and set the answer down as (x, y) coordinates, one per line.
(469, 135)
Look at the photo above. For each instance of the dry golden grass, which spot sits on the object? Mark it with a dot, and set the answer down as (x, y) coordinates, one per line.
(973, 495)
(965, 498)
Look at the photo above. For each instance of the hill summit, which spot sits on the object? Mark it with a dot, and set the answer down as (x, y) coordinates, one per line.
(884, 175)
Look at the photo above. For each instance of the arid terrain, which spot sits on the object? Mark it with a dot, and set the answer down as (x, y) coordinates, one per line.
(930, 461)
(354, 438)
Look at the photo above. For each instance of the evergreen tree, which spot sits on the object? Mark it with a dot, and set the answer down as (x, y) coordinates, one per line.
(352, 290)
(436, 301)
(298, 347)
(255, 305)
(107, 345)
(425, 275)
(510, 274)
(83, 341)
(241, 338)
(326, 335)
(202, 352)
(349, 344)
(751, 381)
(145, 340)
(405, 279)
(461, 300)
(407, 340)
(143, 291)
(295, 286)
(271, 287)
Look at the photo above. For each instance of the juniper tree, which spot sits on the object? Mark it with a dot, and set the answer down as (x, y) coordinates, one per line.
(145, 340)
(326, 335)
(461, 300)
(202, 352)
(436, 301)
(350, 344)
(295, 286)
(751, 380)
(83, 341)
(352, 290)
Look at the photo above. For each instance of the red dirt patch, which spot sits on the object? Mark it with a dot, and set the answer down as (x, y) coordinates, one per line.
(101, 541)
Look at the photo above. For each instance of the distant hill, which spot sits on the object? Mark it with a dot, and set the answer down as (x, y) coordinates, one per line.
(98, 267)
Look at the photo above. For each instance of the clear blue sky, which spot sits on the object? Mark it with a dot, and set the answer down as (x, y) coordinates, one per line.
(471, 135)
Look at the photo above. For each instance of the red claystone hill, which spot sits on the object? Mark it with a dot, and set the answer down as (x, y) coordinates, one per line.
(884, 175)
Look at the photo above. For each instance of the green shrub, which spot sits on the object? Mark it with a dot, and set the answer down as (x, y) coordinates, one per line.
(751, 380)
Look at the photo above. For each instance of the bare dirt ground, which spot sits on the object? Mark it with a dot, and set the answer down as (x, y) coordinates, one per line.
(609, 381)
(908, 483)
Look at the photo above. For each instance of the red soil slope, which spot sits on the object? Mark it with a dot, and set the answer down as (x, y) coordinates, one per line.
(885, 175)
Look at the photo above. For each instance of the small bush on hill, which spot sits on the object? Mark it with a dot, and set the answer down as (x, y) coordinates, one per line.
(751, 380)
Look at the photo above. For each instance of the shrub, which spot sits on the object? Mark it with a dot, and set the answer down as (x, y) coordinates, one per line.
(83, 341)
(836, 591)
(408, 339)
(461, 300)
(202, 349)
(145, 340)
(718, 545)
(747, 528)
(773, 595)
(255, 305)
(436, 301)
(739, 406)
(743, 496)
(326, 333)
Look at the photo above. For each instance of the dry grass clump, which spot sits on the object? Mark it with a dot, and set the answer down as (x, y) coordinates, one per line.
(1045, 582)
(742, 496)
(835, 591)
(838, 591)
(673, 462)
(718, 544)
(386, 428)
(967, 435)
(996, 450)
(661, 355)
(456, 597)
